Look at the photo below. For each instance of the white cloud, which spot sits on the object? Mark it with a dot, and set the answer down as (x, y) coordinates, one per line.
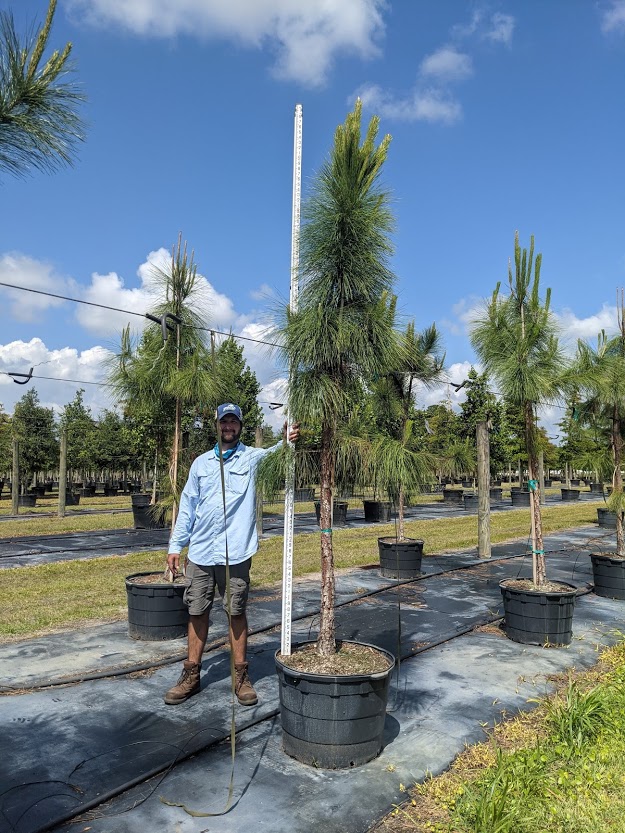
(465, 312)
(445, 391)
(588, 328)
(447, 64)
(21, 270)
(263, 293)
(500, 28)
(58, 365)
(109, 290)
(429, 105)
(497, 28)
(432, 98)
(304, 36)
(613, 18)
(273, 393)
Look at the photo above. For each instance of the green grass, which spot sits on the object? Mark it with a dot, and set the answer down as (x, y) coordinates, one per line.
(50, 503)
(558, 769)
(67, 594)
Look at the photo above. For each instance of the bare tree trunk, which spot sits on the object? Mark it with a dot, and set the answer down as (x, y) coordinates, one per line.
(617, 480)
(326, 643)
(401, 523)
(538, 560)
(154, 476)
(15, 479)
(63, 474)
(174, 463)
(483, 490)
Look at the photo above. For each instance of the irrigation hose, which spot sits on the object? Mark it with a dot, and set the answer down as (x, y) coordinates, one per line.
(217, 643)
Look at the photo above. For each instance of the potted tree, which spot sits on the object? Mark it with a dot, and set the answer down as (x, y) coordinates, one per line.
(601, 375)
(333, 692)
(517, 343)
(168, 368)
(400, 462)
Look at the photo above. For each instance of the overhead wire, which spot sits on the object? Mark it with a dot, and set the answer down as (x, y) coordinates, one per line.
(133, 312)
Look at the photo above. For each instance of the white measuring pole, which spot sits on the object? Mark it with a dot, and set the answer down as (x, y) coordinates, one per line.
(289, 486)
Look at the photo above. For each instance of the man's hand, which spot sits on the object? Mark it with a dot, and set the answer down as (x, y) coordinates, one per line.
(173, 562)
(293, 433)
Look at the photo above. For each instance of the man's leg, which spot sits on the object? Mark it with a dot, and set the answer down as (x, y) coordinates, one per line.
(238, 637)
(239, 588)
(198, 634)
(198, 597)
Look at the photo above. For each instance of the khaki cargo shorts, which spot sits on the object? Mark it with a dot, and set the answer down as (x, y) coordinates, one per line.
(202, 581)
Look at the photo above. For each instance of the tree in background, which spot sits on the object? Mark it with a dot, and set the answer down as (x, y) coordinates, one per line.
(115, 447)
(39, 122)
(517, 344)
(6, 446)
(158, 379)
(400, 462)
(80, 428)
(576, 443)
(600, 375)
(35, 430)
(239, 385)
(439, 428)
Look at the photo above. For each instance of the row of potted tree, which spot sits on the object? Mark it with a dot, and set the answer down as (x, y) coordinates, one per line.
(344, 339)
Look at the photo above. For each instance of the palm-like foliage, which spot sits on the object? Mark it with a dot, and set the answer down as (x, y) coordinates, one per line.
(517, 343)
(39, 122)
(400, 463)
(342, 332)
(600, 373)
(149, 375)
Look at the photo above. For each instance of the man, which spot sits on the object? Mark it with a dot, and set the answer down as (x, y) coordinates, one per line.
(201, 524)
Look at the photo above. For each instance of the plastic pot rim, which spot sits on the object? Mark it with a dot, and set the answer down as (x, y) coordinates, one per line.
(389, 540)
(503, 585)
(338, 678)
(163, 583)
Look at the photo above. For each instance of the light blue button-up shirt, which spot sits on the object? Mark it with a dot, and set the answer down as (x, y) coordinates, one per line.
(200, 522)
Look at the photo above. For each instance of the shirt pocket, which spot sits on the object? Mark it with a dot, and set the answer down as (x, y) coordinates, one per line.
(238, 480)
(205, 486)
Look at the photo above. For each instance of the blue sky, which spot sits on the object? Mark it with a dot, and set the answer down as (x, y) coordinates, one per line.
(504, 116)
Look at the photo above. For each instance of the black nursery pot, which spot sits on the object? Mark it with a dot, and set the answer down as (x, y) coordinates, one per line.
(339, 512)
(539, 617)
(453, 496)
(605, 518)
(570, 494)
(519, 497)
(143, 514)
(333, 721)
(400, 559)
(608, 574)
(156, 611)
(377, 511)
(471, 503)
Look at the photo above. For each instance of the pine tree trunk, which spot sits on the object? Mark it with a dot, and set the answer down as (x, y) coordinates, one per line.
(617, 480)
(326, 643)
(400, 512)
(538, 561)
(483, 490)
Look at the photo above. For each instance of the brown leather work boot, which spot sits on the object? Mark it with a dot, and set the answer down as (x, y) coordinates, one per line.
(243, 688)
(187, 685)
